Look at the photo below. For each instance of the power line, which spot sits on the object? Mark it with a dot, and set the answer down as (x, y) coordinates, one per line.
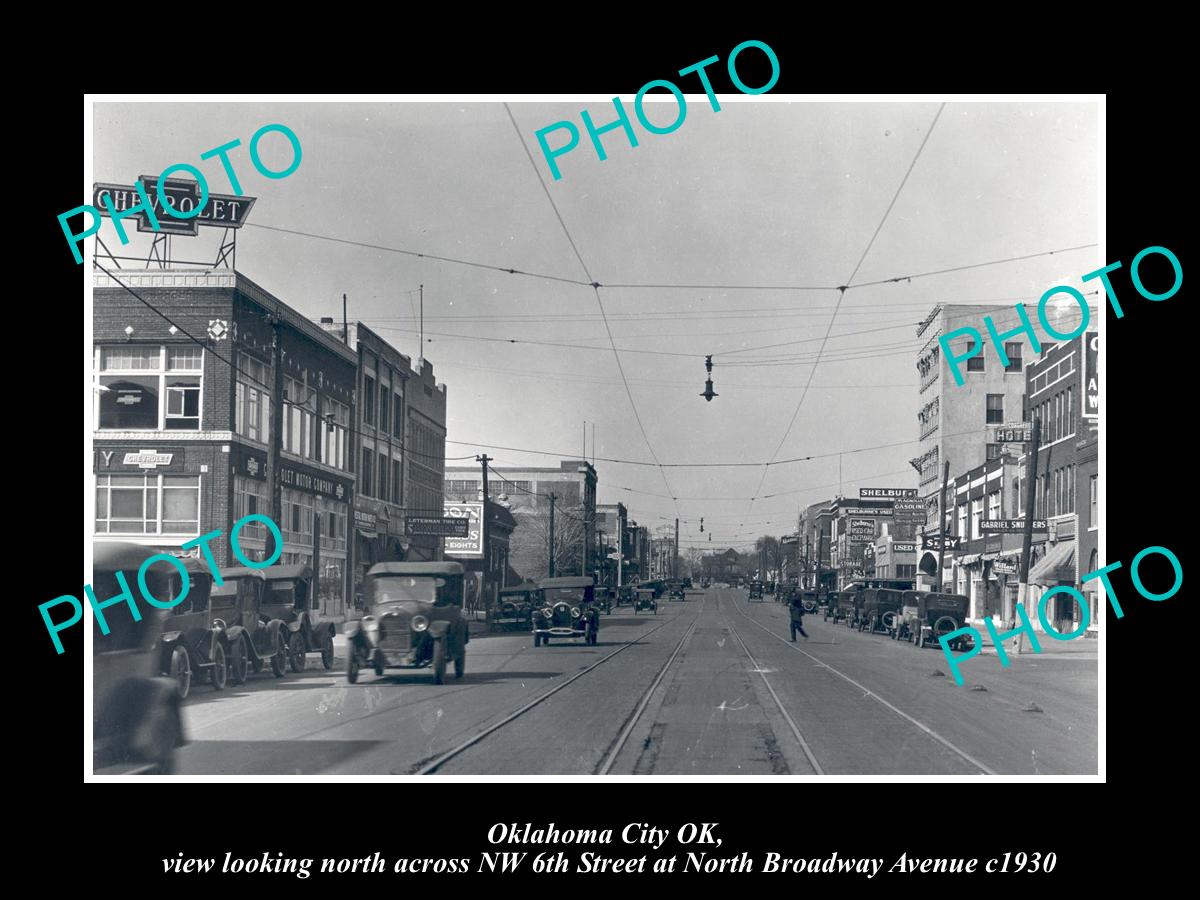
(842, 294)
(595, 290)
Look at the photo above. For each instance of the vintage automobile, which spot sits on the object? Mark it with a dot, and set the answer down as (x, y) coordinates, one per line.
(288, 597)
(677, 592)
(515, 607)
(810, 600)
(770, 587)
(843, 605)
(412, 618)
(136, 723)
(756, 590)
(606, 599)
(626, 595)
(568, 610)
(925, 617)
(255, 640)
(645, 600)
(879, 610)
(191, 644)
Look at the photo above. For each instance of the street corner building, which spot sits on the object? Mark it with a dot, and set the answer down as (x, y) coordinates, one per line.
(197, 396)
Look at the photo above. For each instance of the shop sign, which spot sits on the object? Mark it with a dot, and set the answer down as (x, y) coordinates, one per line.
(1091, 375)
(439, 526)
(1008, 526)
(364, 519)
(885, 493)
(312, 482)
(148, 459)
(904, 548)
(934, 542)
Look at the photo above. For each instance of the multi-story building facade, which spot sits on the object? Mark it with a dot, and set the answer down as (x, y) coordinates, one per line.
(378, 452)
(234, 404)
(611, 527)
(425, 456)
(952, 419)
(816, 527)
(984, 565)
(528, 490)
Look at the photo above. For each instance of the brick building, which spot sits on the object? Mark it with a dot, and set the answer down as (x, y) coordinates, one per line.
(185, 415)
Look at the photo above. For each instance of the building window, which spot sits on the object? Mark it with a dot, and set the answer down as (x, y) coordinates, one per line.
(994, 506)
(995, 409)
(148, 504)
(962, 520)
(382, 492)
(143, 388)
(993, 451)
(252, 400)
(385, 406)
(335, 432)
(1093, 522)
(368, 400)
(1013, 352)
(1069, 412)
(300, 434)
(975, 363)
(976, 518)
(364, 477)
(397, 483)
(397, 416)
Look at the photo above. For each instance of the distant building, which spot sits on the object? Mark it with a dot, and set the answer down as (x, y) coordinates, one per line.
(425, 460)
(611, 529)
(573, 484)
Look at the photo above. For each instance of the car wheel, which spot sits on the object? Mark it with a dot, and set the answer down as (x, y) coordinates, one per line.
(181, 671)
(352, 665)
(237, 661)
(219, 673)
(377, 661)
(296, 658)
(460, 663)
(279, 659)
(327, 651)
(439, 661)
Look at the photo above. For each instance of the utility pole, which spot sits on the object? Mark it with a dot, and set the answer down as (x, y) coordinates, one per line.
(421, 357)
(345, 323)
(550, 574)
(675, 555)
(275, 444)
(1027, 537)
(942, 527)
(483, 525)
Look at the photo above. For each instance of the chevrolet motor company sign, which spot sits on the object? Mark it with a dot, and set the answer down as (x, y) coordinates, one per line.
(221, 210)
(148, 459)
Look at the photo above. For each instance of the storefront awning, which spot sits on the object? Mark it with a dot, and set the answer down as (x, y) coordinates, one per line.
(969, 560)
(1056, 567)
(369, 535)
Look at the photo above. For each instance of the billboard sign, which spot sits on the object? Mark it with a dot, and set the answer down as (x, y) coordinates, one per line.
(472, 544)
(183, 194)
(932, 542)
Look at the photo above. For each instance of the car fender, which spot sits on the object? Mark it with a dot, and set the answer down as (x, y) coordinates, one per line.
(135, 706)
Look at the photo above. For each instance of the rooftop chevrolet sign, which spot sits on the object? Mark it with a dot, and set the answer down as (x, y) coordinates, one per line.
(221, 210)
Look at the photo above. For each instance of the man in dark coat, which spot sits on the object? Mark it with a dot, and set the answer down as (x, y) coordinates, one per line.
(796, 608)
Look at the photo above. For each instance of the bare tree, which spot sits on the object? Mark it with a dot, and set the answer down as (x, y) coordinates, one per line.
(529, 546)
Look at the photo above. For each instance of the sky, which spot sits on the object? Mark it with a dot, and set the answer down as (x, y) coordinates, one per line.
(766, 194)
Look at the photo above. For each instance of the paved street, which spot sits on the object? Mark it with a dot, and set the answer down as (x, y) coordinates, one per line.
(707, 686)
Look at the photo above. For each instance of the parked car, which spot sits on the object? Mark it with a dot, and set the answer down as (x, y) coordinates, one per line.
(880, 610)
(288, 597)
(515, 607)
(606, 599)
(626, 595)
(412, 619)
(678, 592)
(756, 590)
(645, 600)
(842, 607)
(191, 644)
(136, 723)
(810, 600)
(568, 610)
(927, 616)
(256, 640)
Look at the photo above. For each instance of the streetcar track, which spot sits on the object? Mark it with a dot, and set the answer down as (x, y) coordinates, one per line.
(606, 766)
(867, 692)
(758, 669)
(438, 761)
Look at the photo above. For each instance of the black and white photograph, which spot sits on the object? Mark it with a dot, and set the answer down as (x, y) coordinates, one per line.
(687, 435)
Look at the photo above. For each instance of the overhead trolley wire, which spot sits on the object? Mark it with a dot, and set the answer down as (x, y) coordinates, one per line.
(595, 290)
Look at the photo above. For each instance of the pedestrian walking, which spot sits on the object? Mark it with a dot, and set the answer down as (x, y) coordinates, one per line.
(796, 608)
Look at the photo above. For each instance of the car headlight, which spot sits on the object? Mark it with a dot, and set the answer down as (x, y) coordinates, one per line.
(574, 612)
(548, 612)
(370, 624)
(419, 623)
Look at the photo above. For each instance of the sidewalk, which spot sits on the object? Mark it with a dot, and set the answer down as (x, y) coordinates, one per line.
(1081, 646)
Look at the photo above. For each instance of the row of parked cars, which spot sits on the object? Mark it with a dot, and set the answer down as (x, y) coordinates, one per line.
(919, 617)
(253, 621)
